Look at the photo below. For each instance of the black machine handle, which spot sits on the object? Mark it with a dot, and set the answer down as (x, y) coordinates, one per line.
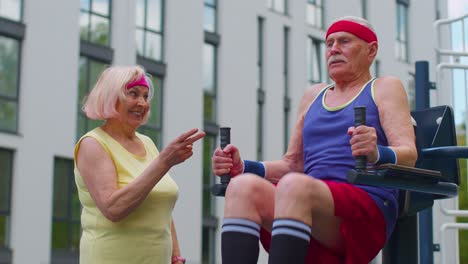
(447, 152)
(360, 120)
(225, 139)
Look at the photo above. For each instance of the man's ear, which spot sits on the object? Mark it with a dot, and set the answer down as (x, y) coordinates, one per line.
(373, 48)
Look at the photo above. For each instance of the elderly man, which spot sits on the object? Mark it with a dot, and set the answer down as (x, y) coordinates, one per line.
(313, 215)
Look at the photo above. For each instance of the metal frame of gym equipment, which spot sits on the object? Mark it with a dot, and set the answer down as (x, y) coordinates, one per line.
(435, 176)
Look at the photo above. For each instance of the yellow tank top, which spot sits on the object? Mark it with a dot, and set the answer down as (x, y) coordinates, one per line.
(144, 236)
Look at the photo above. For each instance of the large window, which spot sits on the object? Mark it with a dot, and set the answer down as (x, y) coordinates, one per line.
(149, 29)
(89, 73)
(314, 13)
(11, 9)
(9, 79)
(209, 16)
(209, 144)
(150, 55)
(280, 6)
(210, 126)
(6, 171)
(66, 214)
(153, 127)
(377, 68)
(11, 35)
(209, 83)
(95, 21)
(364, 8)
(401, 45)
(95, 53)
(316, 62)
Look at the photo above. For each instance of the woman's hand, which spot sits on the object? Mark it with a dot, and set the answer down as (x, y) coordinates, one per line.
(181, 148)
(178, 260)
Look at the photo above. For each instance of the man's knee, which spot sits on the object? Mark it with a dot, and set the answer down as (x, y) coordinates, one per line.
(294, 183)
(246, 186)
(298, 186)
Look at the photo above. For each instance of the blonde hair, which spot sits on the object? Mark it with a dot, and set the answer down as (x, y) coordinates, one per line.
(110, 89)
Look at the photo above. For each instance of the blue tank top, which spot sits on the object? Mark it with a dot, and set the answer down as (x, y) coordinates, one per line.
(327, 152)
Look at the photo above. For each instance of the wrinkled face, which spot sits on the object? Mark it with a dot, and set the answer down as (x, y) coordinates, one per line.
(346, 54)
(134, 108)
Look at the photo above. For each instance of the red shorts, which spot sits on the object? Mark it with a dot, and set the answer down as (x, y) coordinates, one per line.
(363, 228)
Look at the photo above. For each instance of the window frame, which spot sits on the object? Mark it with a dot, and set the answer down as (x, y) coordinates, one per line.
(68, 255)
(89, 86)
(161, 34)
(320, 24)
(273, 6)
(286, 97)
(316, 44)
(12, 29)
(261, 93)
(156, 70)
(10, 179)
(91, 13)
(6, 255)
(5, 249)
(15, 31)
(377, 68)
(98, 53)
(21, 12)
(364, 9)
(214, 7)
(211, 128)
(403, 6)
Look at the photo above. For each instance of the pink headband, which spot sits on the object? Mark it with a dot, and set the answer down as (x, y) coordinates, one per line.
(140, 82)
(354, 28)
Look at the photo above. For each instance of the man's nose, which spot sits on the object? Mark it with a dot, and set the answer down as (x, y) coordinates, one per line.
(335, 48)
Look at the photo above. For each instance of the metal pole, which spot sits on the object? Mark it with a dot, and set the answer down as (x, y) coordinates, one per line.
(426, 243)
(422, 85)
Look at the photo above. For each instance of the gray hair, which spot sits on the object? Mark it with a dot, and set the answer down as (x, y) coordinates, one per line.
(356, 19)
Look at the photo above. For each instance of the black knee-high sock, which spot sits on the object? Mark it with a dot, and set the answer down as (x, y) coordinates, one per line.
(239, 241)
(289, 242)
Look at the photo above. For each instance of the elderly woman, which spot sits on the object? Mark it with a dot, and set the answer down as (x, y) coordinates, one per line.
(123, 182)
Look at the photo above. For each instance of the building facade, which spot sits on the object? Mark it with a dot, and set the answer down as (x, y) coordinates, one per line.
(242, 64)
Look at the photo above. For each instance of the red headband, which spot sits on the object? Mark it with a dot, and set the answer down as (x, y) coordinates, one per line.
(354, 28)
(140, 82)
